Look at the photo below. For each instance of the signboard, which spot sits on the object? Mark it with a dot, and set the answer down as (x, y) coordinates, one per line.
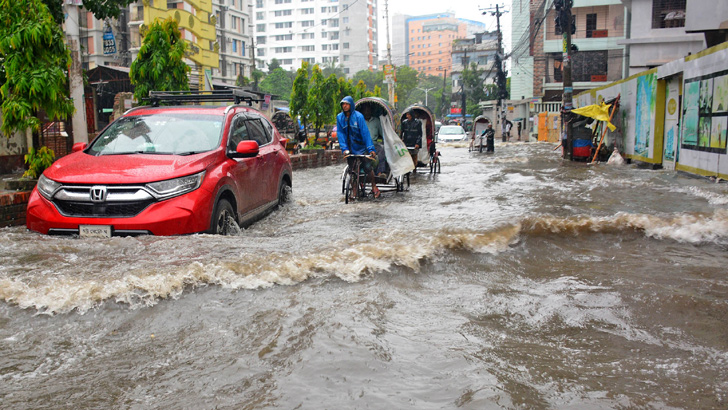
(266, 102)
(455, 110)
(598, 78)
(599, 33)
(109, 41)
(389, 73)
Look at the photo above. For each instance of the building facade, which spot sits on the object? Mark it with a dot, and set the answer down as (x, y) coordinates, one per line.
(219, 33)
(324, 32)
(428, 41)
(658, 31)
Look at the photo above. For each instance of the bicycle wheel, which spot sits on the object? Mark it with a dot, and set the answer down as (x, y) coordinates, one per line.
(343, 179)
(347, 187)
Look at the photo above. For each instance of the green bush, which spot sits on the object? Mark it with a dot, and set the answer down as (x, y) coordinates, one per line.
(38, 161)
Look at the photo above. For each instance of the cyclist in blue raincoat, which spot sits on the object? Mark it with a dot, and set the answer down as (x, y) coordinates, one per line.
(354, 138)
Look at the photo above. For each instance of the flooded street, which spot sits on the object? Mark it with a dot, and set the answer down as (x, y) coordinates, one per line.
(508, 281)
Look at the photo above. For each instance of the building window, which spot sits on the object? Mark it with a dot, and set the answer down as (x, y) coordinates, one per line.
(288, 24)
(287, 61)
(261, 52)
(307, 11)
(259, 15)
(307, 23)
(260, 28)
(334, 35)
(279, 13)
(283, 50)
(310, 60)
(259, 4)
(308, 48)
(284, 37)
(346, 58)
(346, 46)
(591, 24)
(668, 13)
(260, 39)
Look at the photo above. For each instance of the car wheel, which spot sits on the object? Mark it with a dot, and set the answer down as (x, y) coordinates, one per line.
(223, 218)
(284, 193)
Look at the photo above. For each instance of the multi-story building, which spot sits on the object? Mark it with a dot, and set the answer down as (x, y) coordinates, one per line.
(321, 32)
(598, 57)
(521, 61)
(481, 50)
(428, 41)
(220, 37)
(659, 33)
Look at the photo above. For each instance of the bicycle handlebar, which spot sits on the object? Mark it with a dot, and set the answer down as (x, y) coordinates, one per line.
(358, 156)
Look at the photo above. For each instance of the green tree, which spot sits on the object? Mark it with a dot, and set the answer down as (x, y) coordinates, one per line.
(332, 68)
(346, 88)
(35, 62)
(330, 95)
(273, 65)
(406, 82)
(474, 84)
(370, 78)
(242, 80)
(160, 65)
(299, 96)
(278, 83)
(315, 104)
(359, 91)
(257, 76)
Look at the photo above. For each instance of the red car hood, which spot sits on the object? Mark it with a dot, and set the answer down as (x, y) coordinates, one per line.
(81, 168)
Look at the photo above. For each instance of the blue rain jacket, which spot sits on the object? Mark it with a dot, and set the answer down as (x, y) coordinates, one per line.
(353, 132)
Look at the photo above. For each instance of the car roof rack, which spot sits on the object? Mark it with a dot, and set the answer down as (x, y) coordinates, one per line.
(180, 97)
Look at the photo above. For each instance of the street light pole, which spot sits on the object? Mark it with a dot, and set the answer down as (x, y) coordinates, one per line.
(426, 90)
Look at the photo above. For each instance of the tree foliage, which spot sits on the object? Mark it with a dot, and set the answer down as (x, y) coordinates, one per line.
(101, 9)
(159, 65)
(273, 65)
(299, 96)
(35, 62)
(316, 99)
(278, 83)
(330, 106)
(406, 82)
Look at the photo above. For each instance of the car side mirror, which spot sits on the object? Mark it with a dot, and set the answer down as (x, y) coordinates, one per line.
(79, 146)
(246, 149)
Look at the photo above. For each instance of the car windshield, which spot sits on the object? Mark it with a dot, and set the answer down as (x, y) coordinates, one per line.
(178, 134)
(451, 130)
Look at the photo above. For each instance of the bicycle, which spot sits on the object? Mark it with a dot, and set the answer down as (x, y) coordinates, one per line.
(354, 183)
(435, 162)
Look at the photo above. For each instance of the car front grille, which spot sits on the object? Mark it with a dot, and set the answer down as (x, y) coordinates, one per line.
(102, 210)
(102, 201)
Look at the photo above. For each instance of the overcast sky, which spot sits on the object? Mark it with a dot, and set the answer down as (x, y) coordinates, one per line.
(465, 9)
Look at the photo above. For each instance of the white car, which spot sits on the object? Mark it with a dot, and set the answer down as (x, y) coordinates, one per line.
(451, 133)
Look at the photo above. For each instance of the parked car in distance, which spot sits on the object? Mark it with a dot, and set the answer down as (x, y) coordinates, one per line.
(451, 133)
(167, 170)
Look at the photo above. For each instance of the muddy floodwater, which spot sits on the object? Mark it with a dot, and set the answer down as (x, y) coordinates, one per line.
(508, 281)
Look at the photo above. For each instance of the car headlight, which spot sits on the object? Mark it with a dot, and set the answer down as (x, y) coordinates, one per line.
(47, 187)
(174, 187)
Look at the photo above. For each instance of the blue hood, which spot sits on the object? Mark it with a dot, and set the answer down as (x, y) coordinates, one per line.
(348, 99)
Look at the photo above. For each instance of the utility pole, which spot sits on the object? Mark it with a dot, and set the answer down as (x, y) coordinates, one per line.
(564, 20)
(390, 81)
(444, 84)
(501, 74)
(73, 36)
(252, 44)
(463, 110)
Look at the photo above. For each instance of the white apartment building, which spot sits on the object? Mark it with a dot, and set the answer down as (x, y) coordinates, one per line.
(324, 32)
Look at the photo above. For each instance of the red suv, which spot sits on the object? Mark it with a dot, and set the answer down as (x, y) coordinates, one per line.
(166, 171)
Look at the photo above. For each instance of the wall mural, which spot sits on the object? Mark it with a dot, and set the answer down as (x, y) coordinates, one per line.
(705, 113)
(646, 86)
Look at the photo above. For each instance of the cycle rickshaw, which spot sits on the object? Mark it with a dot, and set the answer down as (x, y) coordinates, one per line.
(430, 156)
(477, 139)
(395, 163)
(287, 127)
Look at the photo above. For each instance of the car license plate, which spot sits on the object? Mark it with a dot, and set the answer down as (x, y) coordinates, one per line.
(94, 231)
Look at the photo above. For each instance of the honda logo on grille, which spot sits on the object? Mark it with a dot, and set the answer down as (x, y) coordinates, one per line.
(98, 193)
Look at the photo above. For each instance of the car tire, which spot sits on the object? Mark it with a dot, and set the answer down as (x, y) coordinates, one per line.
(284, 193)
(221, 218)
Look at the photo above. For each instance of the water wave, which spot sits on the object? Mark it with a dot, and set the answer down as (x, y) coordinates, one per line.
(348, 260)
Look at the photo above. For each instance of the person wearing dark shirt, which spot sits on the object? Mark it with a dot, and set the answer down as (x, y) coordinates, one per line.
(412, 135)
